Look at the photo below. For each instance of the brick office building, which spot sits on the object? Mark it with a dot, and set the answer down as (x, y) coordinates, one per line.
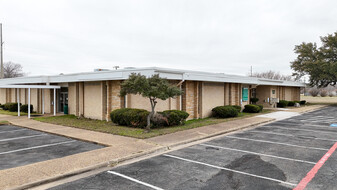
(95, 94)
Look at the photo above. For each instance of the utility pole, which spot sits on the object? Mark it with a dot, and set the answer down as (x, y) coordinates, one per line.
(251, 71)
(1, 54)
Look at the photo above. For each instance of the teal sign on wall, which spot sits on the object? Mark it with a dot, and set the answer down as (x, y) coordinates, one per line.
(245, 94)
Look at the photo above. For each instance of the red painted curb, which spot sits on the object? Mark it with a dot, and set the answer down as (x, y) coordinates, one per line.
(311, 174)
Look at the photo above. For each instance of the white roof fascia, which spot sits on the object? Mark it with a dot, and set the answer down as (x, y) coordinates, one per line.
(171, 74)
(31, 86)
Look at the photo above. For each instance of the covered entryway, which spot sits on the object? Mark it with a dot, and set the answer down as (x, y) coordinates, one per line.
(29, 87)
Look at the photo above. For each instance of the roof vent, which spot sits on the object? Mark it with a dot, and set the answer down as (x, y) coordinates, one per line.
(97, 70)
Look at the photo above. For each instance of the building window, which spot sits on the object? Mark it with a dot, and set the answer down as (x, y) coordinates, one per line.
(273, 91)
(253, 92)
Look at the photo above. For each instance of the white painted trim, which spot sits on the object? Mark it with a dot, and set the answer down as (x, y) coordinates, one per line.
(231, 170)
(18, 100)
(35, 147)
(135, 180)
(23, 137)
(29, 86)
(309, 130)
(285, 144)
(260, 154)
(28, 103)
(54, 103)
(171, 74)
(13, 131)
(282, 134)
(42, 101)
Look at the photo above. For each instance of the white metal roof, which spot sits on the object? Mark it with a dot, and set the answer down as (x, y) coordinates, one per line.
(171, 74)
(30, 86)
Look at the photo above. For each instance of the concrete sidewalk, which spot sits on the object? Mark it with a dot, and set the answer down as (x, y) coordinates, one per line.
(118, 149)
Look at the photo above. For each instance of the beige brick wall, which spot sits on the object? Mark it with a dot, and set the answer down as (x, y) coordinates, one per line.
(190, 98)
(263, 93)
(72, 98)
(213, 94)
(3, 99)
(93, 100)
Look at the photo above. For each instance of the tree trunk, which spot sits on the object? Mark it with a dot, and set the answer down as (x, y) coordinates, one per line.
(153, 105)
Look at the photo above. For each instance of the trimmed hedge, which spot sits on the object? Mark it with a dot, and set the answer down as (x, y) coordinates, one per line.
(251, 108)
(303, 102)
(175, 117)
(282, 104)
(291, 103)
(261, 107)
(130, 117)
(237, 108)
(24, 108)
(138, 117)
(224, 111)
(12, 107)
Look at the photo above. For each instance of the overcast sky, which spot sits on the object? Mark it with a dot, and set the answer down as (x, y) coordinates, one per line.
(67, 36)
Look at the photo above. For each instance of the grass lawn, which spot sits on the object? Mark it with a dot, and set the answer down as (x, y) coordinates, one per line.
(4, 122)
(320, 100)
(109, 127)
(6, 112)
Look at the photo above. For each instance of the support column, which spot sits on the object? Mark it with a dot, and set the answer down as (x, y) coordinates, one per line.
(42, 101)
(54, 101)
(18, 98)
(28, 103)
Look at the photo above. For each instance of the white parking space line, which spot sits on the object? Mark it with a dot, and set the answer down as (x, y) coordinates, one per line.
(282, 134)
(13, 131)
(135, 180)
(260, 154)
(23, 137)
(299, 124)
(35, 147)
(310, 130)
(231, 170)
(271, 142)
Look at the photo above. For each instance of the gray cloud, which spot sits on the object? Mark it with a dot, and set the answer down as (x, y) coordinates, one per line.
(50, 37)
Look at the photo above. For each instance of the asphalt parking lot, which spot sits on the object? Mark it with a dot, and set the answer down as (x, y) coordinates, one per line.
(294, 153)
(22, 146)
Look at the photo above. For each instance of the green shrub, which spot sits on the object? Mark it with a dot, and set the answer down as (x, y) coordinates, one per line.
(282, 104)
(12, 107)
(175, 117)
(138, 117)
(237, 108)
(24, 108)
(303, 102)
(251, 108)
(224, 111)
(254, 100)
(6, 106)
(129, 117)
(2, 106)
(261, 107)
(291, 103)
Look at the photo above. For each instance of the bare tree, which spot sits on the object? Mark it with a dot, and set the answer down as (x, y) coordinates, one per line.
(12, 70)
(273, 75)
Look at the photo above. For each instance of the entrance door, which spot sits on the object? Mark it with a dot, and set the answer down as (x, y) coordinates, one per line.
(63, 98)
